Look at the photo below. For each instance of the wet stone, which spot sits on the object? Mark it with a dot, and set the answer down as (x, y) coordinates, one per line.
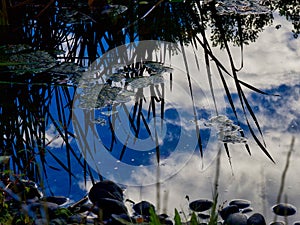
(225, 212)
(164, 219)
(201, 205)
(121, 219)
(247, 210)
(105, 189)
(203, 216)
(296, 223)
(59, 200)
(256, 219)
(58, 221)
(167, 222)
(142, 208)
(240, 203)
(77, 218)
(39, 207)
(278, 223)
(40, 221)
(110, 206)
(236, 219)
(284, 209)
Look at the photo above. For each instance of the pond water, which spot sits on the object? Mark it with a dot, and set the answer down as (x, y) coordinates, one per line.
(149, 101)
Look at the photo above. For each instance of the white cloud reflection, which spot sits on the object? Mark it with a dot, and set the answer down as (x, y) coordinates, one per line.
(54, 139)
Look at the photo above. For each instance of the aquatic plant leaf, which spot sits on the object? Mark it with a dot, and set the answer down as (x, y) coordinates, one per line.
(157, 67)
(71, 16)
(177, 218)
(240, 7)
(193, 219)
(154, 220)
(65, 68)
(12, 49)
(33, 62)
(114, 10)
(65, 73)
(227, 131)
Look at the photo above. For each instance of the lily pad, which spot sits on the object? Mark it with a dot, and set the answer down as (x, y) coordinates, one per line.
(114, 10)
(12, 49)
(227, 131)
(33, 62)
(240, 7)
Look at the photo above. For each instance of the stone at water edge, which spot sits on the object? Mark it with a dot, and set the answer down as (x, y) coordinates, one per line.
(201, 205)
(39, 207)
(203, 216)
(284, 209)
(278, 223)
(105, 189)
(240, 203)
(225, 212)
(59, 200)
(110, 206)
(256, 219)
(236, 219)
(247, 210)
(142, 208)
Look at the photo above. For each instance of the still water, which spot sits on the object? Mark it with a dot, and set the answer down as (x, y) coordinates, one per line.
(159, 135)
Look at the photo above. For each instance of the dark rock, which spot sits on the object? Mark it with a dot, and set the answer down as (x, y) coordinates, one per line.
(256, 219)
(40, 208)
(59, 200)
(201, 205)
(203, 216)
(121, 219)
(58, 221)
(77, 218)
(108, 206)
(225, 212)
(278, 223)
(284, 209)
(86, 207)
(164, 219)
(247, 210)
(26, 189)
(105, 189)
(75, 206)
(296, 223)
(41, 221)
(240, 203)
(80, 219)
(163, 216)
(236, 219)
(142, 208)
(166, 222)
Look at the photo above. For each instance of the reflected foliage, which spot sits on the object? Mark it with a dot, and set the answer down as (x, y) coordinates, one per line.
(60, 37)
(290, 9)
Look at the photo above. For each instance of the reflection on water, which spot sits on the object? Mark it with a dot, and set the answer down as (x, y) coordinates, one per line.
(156, 105)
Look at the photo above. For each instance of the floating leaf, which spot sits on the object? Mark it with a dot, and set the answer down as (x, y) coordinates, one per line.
(34, 62)
(227, 131)
(12, 49)
(240, 7)
(114, 10)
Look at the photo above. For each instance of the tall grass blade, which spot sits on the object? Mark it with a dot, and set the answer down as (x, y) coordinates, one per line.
(199, 140)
